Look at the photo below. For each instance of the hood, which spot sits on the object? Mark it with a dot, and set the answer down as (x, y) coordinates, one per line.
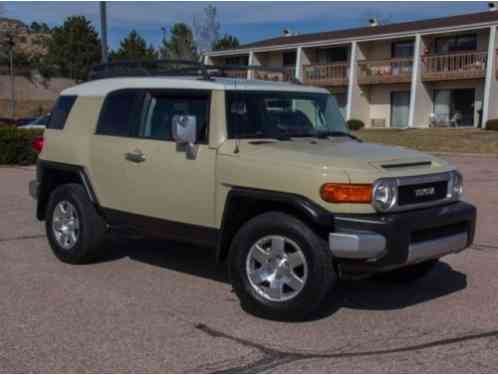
(341, 153)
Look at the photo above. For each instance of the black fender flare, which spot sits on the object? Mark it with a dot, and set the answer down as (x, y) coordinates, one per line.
(240, 200)
(50, 174)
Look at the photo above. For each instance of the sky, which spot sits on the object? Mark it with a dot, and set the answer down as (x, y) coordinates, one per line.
(248, 21)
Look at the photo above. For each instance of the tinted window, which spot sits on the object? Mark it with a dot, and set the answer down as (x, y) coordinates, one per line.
(160, 108)
(60, 112)
(120, 114)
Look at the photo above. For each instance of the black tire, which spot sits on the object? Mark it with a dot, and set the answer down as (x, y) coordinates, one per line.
(321, 275)
(408, 274)
(92, 226)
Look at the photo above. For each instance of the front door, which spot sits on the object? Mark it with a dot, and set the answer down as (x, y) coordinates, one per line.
(463, 107)
(400, 109)
(142, 171)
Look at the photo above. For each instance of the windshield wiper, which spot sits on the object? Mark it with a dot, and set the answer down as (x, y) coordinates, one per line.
(326, 134)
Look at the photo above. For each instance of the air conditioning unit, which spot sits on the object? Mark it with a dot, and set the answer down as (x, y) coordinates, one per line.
(378, 123)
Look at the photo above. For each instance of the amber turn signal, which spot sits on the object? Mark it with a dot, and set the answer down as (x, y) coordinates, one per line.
(346, 193)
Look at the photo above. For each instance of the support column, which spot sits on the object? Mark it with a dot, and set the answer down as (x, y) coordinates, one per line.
(207, 60)
(358, 106)
(416, 76)
(490, 100)
(253, 60)
(299, 64)
(421, 105)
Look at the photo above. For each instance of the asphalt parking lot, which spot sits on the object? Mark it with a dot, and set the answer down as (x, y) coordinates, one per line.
(164, 307)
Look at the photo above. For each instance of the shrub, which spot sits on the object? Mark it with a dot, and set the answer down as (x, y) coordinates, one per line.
(354, 124)
(15, 145)
(492, 125)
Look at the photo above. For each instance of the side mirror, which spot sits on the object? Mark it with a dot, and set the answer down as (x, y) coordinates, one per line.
(184, 131)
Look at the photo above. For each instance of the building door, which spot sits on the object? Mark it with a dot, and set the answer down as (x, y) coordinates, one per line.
(455, 107)
(400, 109)
(463, 107)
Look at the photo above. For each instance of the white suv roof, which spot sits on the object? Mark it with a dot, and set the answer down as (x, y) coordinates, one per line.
(102, 87)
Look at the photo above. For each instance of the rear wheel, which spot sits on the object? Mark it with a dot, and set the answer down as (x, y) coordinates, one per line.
(279, 268)
(408, 274)
(74, 228)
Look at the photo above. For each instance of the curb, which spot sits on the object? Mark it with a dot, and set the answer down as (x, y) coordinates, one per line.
(465, 154)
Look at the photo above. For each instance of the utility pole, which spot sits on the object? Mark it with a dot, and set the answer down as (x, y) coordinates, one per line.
(103, 30)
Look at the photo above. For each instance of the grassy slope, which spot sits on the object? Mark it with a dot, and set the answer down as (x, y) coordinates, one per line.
(435, 140)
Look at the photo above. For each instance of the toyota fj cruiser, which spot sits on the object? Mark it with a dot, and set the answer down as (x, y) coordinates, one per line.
(265, 172)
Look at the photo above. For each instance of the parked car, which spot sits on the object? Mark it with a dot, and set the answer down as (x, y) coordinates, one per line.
(39, 123)
(24, 121)
(288, 198)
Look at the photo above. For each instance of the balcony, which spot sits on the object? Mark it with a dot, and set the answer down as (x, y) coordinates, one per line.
(372, 72)
(464, 65)
(242, 74)
(277, 74)
(335, 74)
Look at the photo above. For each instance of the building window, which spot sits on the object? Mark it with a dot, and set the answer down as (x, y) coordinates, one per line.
(456, 43)
(333, 55)
(402, 49)
(289, 59)
(237, 60)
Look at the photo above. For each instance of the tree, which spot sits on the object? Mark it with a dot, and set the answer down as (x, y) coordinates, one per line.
(227, 42)
(134, 47)
(74, 48)
(180, 45)
(206, 29)
(39, 27)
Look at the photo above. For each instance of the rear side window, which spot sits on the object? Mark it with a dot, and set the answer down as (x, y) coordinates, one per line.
(120, 114)
(61, 112)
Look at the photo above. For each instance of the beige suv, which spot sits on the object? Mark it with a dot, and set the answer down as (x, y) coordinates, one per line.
(264, 172)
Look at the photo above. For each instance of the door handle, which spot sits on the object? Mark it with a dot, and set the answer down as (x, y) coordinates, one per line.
(136, 156)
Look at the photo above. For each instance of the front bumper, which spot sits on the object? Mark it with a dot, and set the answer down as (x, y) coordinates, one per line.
(374, 243)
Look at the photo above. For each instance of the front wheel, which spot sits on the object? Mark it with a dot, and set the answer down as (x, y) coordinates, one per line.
(279, 268)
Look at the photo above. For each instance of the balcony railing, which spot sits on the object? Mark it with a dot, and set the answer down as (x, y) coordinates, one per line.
(287, 74)
(242, 74)
(464, 65)
(398, 70)
(335, 74)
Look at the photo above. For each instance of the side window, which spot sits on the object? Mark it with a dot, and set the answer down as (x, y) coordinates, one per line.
(120, 115)
(60, 112)
(245, 117)
(160, 108)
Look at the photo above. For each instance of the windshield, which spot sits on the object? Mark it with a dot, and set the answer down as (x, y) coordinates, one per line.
(282, 115)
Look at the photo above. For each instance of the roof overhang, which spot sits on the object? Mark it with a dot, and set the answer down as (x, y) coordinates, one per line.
(342, 41)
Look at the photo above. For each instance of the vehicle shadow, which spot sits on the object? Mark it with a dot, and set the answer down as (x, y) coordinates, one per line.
(368, 294)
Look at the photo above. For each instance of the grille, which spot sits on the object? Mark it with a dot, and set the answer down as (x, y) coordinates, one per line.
(422, 193)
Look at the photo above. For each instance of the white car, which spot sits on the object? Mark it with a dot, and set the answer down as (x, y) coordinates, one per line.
(40, 123)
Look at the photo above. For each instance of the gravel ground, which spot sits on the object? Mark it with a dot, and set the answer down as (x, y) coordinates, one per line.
(164, 307)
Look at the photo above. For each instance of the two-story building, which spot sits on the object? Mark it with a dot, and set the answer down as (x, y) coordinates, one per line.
(436, 71)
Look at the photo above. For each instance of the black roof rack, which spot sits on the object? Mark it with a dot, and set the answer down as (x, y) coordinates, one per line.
(147, 68)
(171, 68)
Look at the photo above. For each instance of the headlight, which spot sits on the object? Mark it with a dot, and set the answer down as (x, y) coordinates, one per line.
(385, 194)
(455, 190)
